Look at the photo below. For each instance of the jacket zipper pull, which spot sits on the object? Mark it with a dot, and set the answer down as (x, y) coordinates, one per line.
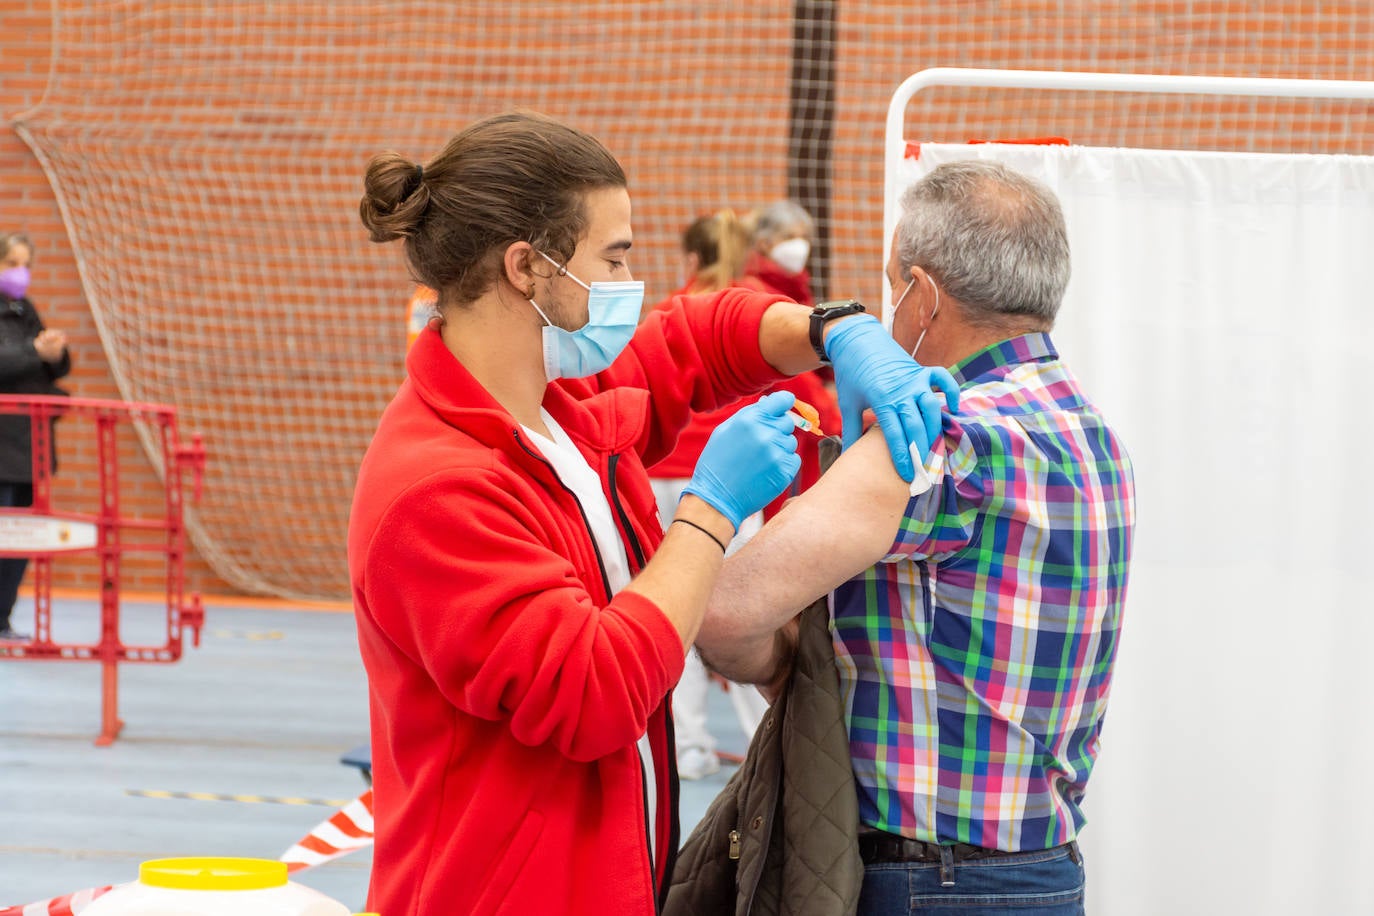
(734, 844)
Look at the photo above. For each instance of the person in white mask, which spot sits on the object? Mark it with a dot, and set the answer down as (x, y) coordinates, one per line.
(522, 613)
(783, 233)
(780, 247)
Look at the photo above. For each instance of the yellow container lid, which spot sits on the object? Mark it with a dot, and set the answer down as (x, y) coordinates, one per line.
(213, 874)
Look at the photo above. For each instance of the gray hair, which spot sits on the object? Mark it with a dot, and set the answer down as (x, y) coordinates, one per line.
(991, 237)
(783, 218)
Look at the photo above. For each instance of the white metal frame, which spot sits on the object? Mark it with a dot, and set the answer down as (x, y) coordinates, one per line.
(895, 144)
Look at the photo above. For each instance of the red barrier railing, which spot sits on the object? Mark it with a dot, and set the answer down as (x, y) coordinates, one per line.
(42, 532)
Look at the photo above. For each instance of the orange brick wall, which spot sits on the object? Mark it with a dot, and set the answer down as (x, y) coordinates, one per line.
(27, 204)
(696, 110)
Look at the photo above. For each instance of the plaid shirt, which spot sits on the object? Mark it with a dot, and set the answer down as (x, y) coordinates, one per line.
(975, 659)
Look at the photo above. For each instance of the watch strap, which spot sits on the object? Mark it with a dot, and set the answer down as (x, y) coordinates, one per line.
(824, 313)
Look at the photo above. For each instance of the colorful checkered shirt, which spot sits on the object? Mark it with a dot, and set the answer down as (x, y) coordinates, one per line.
(975, 659)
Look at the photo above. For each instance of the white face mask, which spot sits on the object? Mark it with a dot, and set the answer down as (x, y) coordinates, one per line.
(890, 316)
(791, 255)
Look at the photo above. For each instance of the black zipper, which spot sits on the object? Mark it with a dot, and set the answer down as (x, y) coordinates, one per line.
(649, 828)
(670, 854)
(622, 515)
(659, 894)
(674, 826)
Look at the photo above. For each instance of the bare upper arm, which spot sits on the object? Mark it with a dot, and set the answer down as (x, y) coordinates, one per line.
(841, 526)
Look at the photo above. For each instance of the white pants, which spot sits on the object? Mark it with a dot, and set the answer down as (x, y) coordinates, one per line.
(689, 697)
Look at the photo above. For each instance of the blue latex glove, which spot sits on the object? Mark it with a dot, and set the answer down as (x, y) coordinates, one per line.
(749, 459)
(872, 370)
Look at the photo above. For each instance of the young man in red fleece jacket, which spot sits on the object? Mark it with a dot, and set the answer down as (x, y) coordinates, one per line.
(521, 613)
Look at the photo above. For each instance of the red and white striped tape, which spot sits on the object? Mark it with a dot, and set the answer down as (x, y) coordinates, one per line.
(66, 905)
(348, 830)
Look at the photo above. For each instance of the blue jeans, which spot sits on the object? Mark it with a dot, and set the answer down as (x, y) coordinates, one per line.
(1048, 883)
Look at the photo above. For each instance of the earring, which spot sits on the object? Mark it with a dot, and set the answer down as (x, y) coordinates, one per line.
(530, 294)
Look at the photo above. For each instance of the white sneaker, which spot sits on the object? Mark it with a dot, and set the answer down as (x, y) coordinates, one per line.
(697, 763)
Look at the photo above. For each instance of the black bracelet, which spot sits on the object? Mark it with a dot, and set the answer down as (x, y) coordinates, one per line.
(702, 530)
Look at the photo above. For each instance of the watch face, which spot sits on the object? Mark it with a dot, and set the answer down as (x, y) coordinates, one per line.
(836, 309)
(839, 304)
(825, 312)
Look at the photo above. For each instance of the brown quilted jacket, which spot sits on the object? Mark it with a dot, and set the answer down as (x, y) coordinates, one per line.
(781, 838)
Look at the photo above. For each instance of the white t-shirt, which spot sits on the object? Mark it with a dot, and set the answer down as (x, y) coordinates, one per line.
(577, 475)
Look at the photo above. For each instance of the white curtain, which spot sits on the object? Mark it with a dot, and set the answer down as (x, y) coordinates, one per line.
(1221, 313)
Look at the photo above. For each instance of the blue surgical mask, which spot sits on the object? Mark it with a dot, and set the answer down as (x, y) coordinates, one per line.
(612, 316)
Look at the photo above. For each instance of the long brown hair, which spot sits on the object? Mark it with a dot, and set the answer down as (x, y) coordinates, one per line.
(508, 178)
(721, 243)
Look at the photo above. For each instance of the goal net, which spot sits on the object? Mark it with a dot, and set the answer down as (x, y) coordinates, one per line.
(207, 157)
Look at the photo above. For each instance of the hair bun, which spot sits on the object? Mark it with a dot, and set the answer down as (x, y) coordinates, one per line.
(394, 197)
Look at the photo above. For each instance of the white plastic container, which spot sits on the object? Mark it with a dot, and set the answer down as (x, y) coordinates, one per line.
(214, 887)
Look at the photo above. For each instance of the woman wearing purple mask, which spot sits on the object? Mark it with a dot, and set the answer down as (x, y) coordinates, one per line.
(32, 358)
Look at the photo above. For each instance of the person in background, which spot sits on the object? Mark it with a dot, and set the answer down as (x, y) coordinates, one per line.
(781, 235)
(975, 616)
(713, 252)
(32, 358)
(522, 614)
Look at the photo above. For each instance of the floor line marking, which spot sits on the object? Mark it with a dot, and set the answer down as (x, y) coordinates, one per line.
(241, 798)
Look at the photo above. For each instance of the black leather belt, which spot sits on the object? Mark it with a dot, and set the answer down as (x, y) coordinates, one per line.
(876, 846)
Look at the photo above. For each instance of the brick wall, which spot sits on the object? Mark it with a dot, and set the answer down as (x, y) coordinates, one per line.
(276, 107)
(27, 204)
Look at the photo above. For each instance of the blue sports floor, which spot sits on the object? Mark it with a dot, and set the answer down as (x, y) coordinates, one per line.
(254, 722)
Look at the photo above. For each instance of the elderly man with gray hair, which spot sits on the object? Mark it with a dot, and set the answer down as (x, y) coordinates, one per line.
(974, 613)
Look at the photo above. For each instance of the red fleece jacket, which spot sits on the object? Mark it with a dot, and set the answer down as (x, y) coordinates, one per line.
(809, 387)
(507, 687)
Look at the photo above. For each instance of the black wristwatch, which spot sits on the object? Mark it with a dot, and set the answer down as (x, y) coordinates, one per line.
(829, 311)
